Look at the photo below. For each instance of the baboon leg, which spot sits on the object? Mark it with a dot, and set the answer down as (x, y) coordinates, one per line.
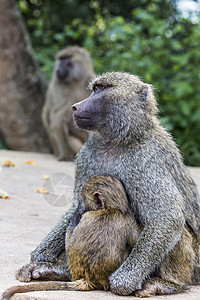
(53, 145)
(158, 286)
(65, 146)
(60, 144)
(73, 142)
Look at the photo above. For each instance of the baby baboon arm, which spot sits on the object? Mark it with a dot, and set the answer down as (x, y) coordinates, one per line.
(163, 228)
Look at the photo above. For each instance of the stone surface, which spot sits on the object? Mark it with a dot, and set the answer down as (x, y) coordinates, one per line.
(28, 216)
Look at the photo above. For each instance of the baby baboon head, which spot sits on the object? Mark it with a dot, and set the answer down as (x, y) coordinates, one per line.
(104, 191)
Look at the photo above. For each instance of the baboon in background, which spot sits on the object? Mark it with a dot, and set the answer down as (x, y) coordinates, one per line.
(126, 140)
(73, 69)
(101, 236)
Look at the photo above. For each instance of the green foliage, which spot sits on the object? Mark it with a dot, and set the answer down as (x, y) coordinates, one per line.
(151, 40)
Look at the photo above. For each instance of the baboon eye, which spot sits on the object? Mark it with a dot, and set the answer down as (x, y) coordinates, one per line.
(99, 88)
(65, 57)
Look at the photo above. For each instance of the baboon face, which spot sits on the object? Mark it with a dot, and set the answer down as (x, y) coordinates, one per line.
(68, 69)
(72, 63)
(120, 103)
(91, 113)
(64, 68)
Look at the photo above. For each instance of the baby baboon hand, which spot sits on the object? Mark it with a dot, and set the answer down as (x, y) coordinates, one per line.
(124, 282)
(34, 271)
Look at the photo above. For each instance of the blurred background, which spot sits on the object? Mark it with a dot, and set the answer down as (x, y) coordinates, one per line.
(159, 40)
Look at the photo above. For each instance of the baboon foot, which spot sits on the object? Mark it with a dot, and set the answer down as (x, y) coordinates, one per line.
(41, 271)
(158, 286)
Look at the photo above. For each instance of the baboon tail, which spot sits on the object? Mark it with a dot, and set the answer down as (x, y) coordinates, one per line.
(78, 285)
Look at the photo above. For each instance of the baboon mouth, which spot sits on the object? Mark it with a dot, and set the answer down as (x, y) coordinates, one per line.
(83, 122)
(81, 118)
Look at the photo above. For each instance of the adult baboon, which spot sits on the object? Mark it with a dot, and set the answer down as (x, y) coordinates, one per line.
(73, 69)
(126, 140)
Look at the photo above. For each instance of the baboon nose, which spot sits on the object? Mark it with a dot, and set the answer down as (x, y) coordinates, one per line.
(74, 108)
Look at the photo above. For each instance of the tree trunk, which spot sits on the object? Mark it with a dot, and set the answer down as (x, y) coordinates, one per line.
(22, 88)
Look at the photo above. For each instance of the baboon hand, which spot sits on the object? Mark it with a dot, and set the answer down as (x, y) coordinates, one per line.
(24, 274)
(124, 282)
(34, 271)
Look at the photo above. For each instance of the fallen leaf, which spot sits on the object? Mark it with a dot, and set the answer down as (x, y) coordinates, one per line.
(42, 191)
(4, 195)
(46, 177)
(29, 162)
(9, 163)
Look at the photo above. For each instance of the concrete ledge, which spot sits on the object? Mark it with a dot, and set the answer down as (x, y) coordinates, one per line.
(27, 217)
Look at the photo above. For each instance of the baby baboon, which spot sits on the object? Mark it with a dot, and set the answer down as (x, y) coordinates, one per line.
(99, 238)
(73, 69)
(126, 140)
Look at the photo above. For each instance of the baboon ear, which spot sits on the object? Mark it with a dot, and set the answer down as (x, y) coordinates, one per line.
(98, 200)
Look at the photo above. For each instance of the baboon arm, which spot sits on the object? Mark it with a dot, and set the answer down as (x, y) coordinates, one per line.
(151, 247)
(163, 224)
(52, 246)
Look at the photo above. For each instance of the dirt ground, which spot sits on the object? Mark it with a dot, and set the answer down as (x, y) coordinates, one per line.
(27, 216)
